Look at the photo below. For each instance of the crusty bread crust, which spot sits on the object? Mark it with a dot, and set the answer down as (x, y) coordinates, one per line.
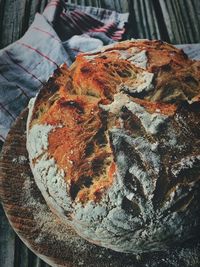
(118, 156)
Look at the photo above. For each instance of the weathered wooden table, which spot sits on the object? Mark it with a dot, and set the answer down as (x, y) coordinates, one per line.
(175, 21)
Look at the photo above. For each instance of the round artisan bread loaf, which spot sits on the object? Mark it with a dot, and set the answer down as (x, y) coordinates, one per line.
(114, 145)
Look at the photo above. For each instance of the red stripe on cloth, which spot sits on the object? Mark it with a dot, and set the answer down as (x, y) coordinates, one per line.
(120, 31)
(48, 33)
(110, 30)
(27, 71)
(118, 36)
(7, 111)
(87, 23)
(80, 21)
(38, 52)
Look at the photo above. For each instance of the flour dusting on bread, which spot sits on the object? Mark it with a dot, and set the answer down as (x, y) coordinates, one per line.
(113, 144)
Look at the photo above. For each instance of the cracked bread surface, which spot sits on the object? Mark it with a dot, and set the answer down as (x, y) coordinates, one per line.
(113, 143)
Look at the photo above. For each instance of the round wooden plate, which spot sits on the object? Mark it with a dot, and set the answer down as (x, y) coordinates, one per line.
(53, 241)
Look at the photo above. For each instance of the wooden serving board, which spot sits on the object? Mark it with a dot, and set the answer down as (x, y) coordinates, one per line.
(53, 241)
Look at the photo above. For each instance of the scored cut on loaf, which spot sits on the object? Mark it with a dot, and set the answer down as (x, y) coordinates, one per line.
(114, 145)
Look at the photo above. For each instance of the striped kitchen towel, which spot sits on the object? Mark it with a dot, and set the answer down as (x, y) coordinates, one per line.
(56, 36)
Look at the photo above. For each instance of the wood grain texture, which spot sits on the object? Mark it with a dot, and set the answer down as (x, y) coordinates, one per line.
(177, 21)
(13, 252)
(15, 18)
(7, 241)
(42, 231)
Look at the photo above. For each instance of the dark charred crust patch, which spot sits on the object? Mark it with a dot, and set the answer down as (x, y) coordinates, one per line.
(73, 104)
(191, 108)
(103, 57)
(124, 73)
(84, 182)
(188, 119)
(135, 94)
(130, 206)
(101, 139)
(97, 165)
(161, 189)
(134, 185)
(74, 189)
(191, 81)
(182, 203)
(131, 123)
(187, 174)
(89, 150)
(85, 70)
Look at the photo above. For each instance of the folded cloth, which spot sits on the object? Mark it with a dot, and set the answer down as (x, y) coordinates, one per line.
(54, 37)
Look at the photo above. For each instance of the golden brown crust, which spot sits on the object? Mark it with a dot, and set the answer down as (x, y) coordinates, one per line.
(73, 96)
(114, 145)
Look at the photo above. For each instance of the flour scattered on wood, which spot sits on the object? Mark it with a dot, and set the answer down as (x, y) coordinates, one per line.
(46, 220)
(20, 159)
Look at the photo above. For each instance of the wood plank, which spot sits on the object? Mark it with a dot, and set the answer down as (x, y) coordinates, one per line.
(117, 5)
(138, 18)
(2, 4)
(13, 252)
(15, 18)
(7, 241)
(12, 21)
(153, 29)
(173, 21)
(193, 9)
(131, 27)
(182, 20)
